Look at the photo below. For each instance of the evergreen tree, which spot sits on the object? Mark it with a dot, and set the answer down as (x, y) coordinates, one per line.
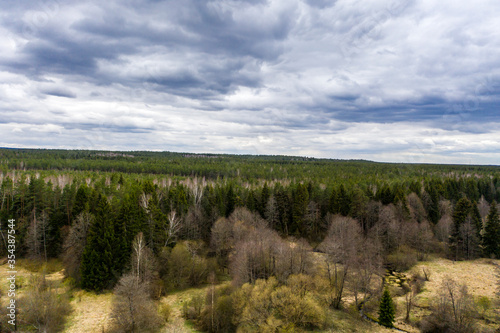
(459, 216)
(230, 200)
(385, 195)
(344, 201)
(283, 206)
(81, 200)
(386, 310)
(491, 238)
(465, 236)
(333, 206)
(299, 208)
(97, 260)
(264, 198)
(477, 221)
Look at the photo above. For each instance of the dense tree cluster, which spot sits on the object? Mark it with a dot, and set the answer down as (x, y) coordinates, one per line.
(181, 221)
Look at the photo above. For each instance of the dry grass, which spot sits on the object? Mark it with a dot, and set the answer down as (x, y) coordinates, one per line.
(479, 275)
(90, 312)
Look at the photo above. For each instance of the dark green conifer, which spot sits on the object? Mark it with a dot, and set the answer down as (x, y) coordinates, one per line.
(264, 198)
(386, 310)
(230, 200)
(344, 201)
(300, 201)
(81, 200)
(491, 238)
(333, 206)
(97, 259)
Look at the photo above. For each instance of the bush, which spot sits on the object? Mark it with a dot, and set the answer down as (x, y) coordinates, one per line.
(483, 303)
(296, 310)
(402, 259)
(192, 308)
(43, 307)
(164, 310)
(183, 267)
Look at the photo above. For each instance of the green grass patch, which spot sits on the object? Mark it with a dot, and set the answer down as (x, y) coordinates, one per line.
(39, 266)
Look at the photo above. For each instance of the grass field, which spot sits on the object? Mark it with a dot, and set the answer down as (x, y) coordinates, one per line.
(91, 312)
(481, 276)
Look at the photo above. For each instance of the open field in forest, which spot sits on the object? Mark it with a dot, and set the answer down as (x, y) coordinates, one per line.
(91, 312)
(481, 277)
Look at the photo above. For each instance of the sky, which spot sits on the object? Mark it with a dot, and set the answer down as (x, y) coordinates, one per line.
(395, 81)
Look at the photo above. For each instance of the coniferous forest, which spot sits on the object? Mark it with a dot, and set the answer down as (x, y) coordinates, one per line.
(271, 243)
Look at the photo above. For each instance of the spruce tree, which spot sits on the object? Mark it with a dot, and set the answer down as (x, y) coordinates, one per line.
(299, 207)
(81, 200)
(333, 206)
(460, 214)
(344, 201)
(97, 259)
(264, 198)
(491, 238)
(386, 310)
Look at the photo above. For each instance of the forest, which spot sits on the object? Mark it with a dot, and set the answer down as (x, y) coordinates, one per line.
(274, 243)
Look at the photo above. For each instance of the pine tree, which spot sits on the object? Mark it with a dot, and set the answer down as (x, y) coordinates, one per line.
(491, 238)
(386, 310)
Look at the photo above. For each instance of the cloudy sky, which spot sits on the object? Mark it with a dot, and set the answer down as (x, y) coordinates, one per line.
(405, 81)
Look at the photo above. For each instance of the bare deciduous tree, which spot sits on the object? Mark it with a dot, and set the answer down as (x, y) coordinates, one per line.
(272, 213)
(416, 207)
(484, 208)
(366, 265)
(133, 310)
(142, 260)
(443, 228)
(75, 243)
(37, 236)
(453, 310)
(172, 227)
(193, 223)
(341, 245)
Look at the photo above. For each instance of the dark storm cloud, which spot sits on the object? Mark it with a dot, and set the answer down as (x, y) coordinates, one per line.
(115, 31)
(59, 92)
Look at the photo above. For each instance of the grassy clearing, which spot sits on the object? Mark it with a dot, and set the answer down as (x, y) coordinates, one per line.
(480, 276)
(346, 322)
(176, 301)
(91, 311)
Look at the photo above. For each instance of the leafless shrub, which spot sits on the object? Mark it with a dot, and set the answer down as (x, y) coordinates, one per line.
(42, 307)
(453, 311)
(133, 310)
